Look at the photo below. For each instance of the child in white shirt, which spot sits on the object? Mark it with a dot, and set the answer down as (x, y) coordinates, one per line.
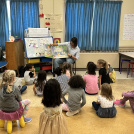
(29, 75)
(105, 102)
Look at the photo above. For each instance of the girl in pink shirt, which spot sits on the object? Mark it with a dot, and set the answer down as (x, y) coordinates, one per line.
(91, 79)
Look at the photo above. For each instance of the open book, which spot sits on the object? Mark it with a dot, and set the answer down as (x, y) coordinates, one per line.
(56, 51)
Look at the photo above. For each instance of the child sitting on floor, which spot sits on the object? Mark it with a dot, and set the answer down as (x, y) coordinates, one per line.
(40, 83)
(18, 83)
(10, 98)
(75, 93)
(112, 74)
(103, 72)
(91, 79)
(51, 119)
(67, 69)
(105, 102)
(62, 78)
(126, 96)
(29, 75)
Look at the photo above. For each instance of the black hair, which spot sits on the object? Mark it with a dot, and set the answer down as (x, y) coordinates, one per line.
(29, 66)
(74, 40)
(41, 80)
(58, 71)
(17, 74)
(52, 93)
(91, 67)
(76, 82)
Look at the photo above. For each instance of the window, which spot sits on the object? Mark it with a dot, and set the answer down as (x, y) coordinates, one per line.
(94, 22)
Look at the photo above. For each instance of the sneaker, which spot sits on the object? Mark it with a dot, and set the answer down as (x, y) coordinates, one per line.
(72, 113)
(118, 103)
(27, 119)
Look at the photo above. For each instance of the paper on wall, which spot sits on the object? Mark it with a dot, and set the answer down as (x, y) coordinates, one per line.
(128, 30)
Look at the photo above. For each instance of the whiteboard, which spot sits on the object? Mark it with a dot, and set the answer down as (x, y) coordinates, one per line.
(36, 47)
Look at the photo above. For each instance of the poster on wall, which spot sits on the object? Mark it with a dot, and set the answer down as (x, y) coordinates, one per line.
(128, 29)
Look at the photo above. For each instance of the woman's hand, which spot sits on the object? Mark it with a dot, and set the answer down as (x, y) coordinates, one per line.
(50, 44)
(54, 44)
(69, 55)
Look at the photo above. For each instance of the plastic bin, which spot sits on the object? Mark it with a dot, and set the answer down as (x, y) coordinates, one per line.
(47, 68)
(46, 59)
(33, 60)
(37, 68)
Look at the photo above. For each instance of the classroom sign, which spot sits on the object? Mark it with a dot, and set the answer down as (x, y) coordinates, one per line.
(40, 47)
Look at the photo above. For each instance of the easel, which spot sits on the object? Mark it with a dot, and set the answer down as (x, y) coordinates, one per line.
(38, 34)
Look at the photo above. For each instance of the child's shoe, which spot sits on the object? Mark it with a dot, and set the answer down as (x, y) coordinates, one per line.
(117, 102)
(27, 119)
(72, 113)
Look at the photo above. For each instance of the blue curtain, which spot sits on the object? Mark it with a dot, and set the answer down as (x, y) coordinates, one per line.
(78, 20)
(106, 25)
(4, 29)
(24, 14)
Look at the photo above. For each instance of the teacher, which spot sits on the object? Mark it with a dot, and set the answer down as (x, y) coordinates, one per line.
(73, 52)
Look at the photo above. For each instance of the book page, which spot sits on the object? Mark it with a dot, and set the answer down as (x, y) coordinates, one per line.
(60, 51)
(48, 51)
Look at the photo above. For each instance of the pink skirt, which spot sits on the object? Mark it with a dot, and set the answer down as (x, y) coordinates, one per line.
(13, 115)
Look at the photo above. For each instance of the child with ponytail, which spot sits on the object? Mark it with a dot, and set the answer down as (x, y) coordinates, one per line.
(103, 72)
(10, 98)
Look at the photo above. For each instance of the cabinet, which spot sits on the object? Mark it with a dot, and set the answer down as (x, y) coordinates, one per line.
(14, 54)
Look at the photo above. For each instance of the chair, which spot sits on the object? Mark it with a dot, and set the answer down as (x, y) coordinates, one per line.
(10, 117)
(74, 68)
(9, 124)
(3, 65)
(122, 63)
(128, 66)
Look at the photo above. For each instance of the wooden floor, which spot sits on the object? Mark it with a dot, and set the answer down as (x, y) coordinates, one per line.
(86, 122)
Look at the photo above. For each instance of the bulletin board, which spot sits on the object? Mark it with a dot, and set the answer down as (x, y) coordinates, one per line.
(37, 47)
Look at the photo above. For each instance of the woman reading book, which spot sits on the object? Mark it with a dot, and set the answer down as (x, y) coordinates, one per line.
(73, 52)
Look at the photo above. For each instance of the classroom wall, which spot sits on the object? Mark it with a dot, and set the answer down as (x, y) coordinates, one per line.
(127, 8)
(58, 7)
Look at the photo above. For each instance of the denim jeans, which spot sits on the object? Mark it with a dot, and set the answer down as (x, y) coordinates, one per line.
(95, 105)
(58, 61)
(23, 89)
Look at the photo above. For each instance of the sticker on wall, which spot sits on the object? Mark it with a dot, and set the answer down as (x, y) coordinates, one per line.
(57, 40)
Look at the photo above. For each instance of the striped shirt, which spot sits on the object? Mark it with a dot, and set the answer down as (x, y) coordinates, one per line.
(73, 51)
(63, 81)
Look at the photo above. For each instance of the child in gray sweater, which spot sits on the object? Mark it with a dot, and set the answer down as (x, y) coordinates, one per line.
(75, 94)
(10, 98)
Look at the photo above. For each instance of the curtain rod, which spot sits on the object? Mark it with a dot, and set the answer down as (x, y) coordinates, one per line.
(98, 0)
